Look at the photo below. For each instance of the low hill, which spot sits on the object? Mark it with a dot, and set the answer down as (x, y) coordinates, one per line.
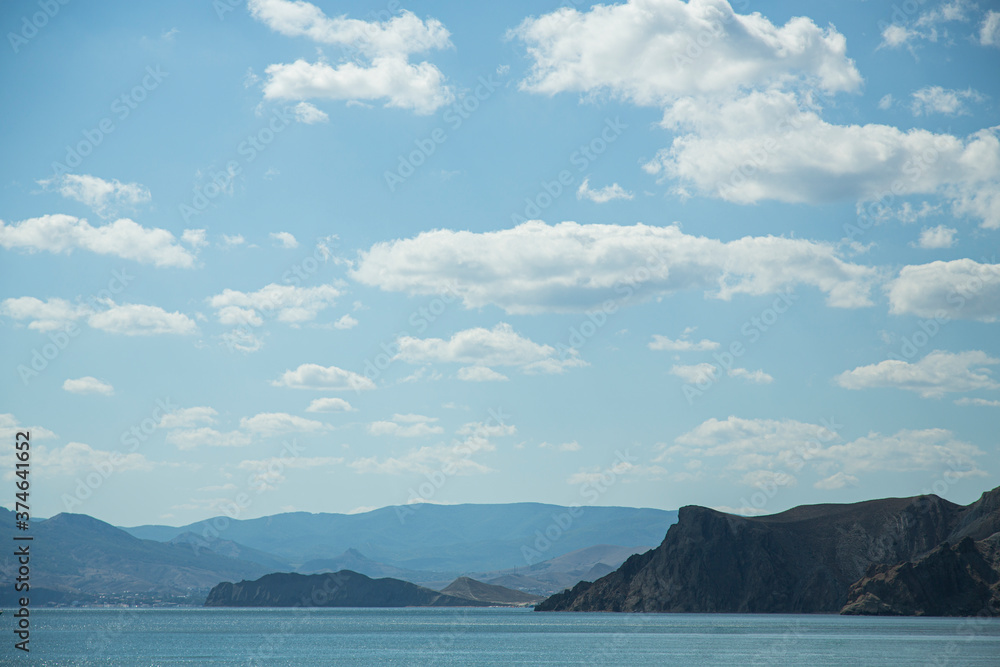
(336, 589)
(470, 589)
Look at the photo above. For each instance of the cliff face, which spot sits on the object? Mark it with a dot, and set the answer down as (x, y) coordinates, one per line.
(960, 580)
(336, 589)
(802, 560)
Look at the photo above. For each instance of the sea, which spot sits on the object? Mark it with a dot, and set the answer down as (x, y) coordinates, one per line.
(492, 636)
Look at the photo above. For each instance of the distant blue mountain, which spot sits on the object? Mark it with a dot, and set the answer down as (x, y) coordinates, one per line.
(437, 538)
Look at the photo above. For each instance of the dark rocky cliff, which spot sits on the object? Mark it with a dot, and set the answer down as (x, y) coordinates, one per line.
(800, 561)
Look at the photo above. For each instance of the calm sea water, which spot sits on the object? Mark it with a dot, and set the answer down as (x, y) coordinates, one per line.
(493, 637)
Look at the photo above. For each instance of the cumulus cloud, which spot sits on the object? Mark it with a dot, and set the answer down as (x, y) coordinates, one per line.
(836, 481)
(572, 446)
(267, 474)
(791, 446)
(142, 320)
(959, 289)
(376, 59)
(406, 426)
(499, 346)
(331, 378)
(9, 426)
(289, 303)
(309, 114)
(101, 196)
(979, 402)
(767, 145)
(284, 239)
(188, 417)
(345, 322)
(277, 423)
(122, 238)
(569, 267)
(207, 437)
(663, 343)
(88, 385)
(602, 195)
(77, 458)
(989, 31)
(642, 51)
(937, 237)
(330, 405)
(196, 238)
(928, 26)
(935, 99)
(480, 374)
(49, 315)
(935, 375)
(708, 372)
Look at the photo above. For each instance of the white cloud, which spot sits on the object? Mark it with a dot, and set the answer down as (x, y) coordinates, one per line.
(188, 417)
(77, 458)
(88, 385)
(196, 238)
(142, 320)
(696, 373)
(331, 378)
(979, 402)
(486, 429)
(121, 238)
(284, 239)
(622, 470)
(663, 343)
(9, 426)
(707, 372)
(206, 437)
(330, 405)
(102, 196)
(647, 52)
(757, 377)
(386, 46)
(935, 375)
(47, 315)
(989, 32)
(572, 446)
(569, 267)
(836, 481)
(885, 102)
(927, 27)
(309, 114)
(769, 146)
(236, 239)
(289, 303)
(345, 322)
(937, 237)
(499, 346)
(789, 445)
(406, 426)
(277, 423)
(480, 374)
(603, 195)
(959, 289)
(935, 99)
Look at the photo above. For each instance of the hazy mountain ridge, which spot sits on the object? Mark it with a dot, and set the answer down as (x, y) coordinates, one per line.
(802, 560)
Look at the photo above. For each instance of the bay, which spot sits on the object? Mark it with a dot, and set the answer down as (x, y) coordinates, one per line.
(195, 636)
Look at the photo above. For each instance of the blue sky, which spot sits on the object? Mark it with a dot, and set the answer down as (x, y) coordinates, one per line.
(272, 256)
